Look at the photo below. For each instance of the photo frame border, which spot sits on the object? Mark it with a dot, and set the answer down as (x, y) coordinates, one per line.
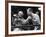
(6, 18)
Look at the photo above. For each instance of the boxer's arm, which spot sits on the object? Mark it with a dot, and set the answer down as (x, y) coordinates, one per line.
(26, 20)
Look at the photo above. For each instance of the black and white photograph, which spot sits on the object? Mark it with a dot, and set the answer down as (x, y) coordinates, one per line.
(25, 18)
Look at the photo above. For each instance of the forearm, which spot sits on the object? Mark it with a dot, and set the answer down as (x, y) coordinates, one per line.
(26, 20)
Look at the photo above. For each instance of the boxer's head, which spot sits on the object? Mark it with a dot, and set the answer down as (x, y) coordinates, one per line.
(29, 11)
(20, 13)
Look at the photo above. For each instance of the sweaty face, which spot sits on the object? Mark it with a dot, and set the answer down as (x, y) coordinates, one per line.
(20, 13)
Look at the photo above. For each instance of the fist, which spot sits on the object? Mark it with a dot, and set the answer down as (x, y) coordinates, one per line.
(29, 17)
